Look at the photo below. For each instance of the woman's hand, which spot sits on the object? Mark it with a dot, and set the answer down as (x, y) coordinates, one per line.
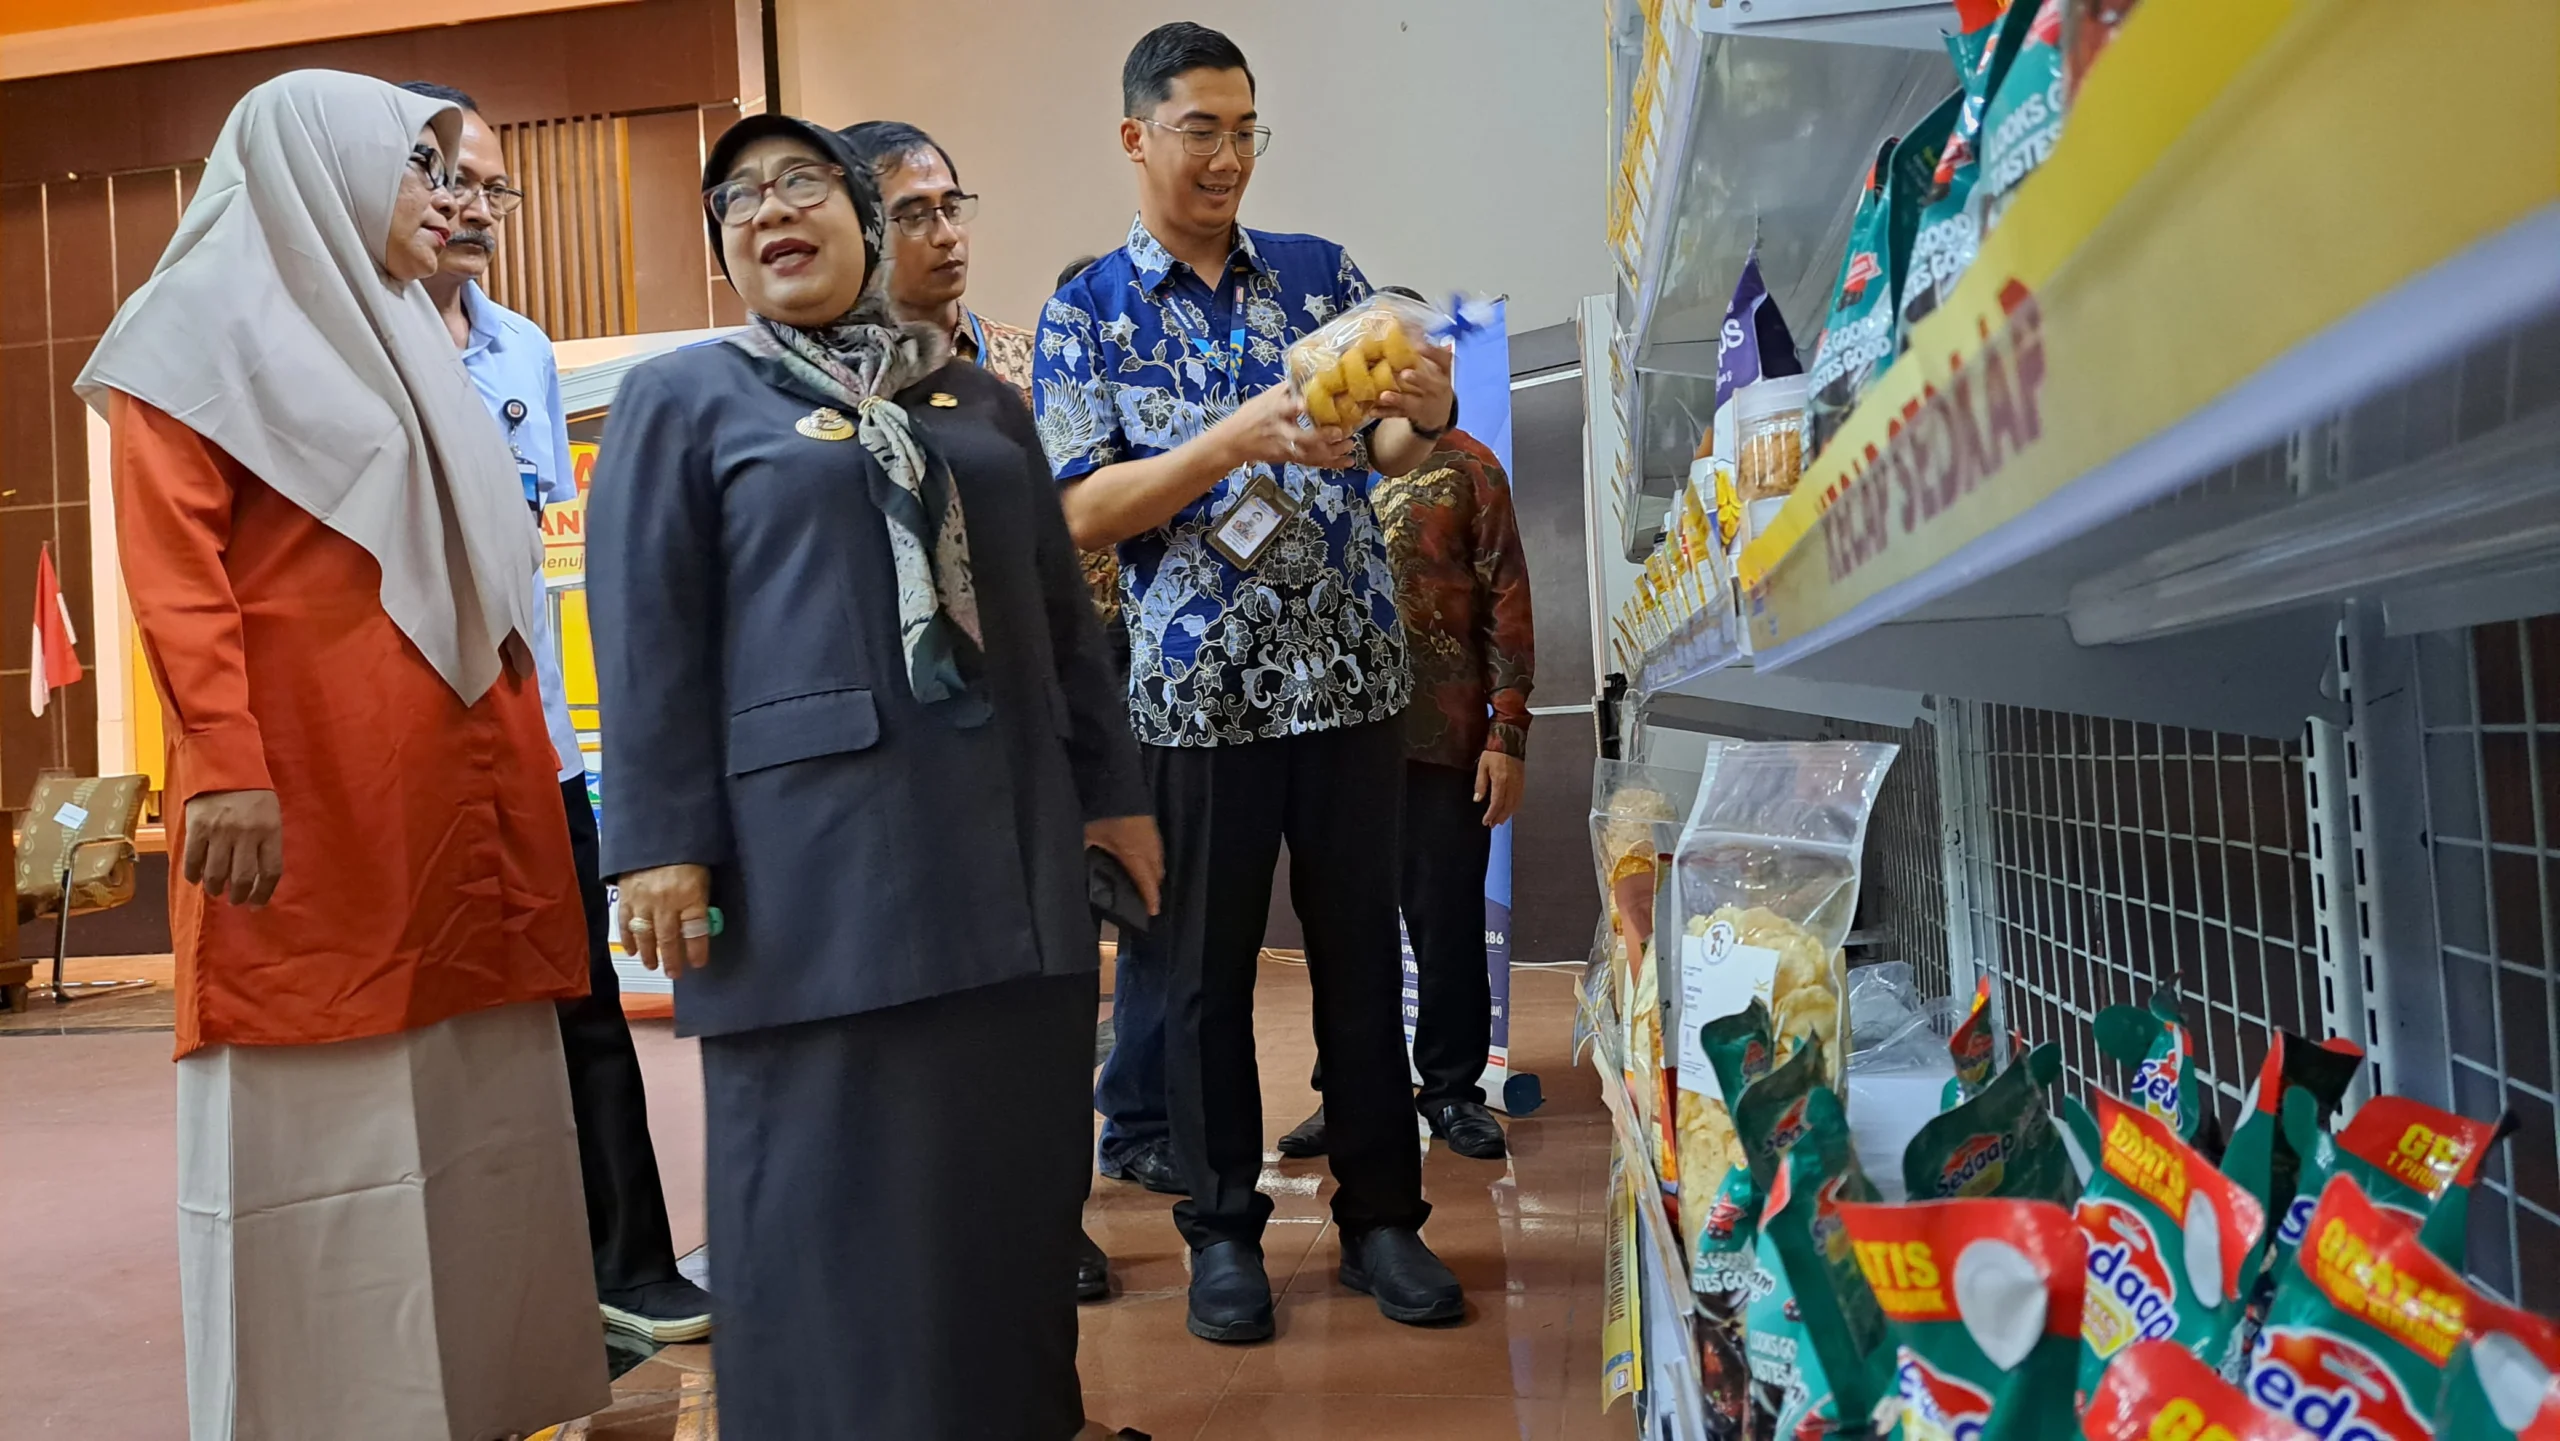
(666, 917)
(1134, 843)
(235, 845)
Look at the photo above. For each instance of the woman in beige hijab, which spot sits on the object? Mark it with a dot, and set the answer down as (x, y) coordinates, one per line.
(380, 1231)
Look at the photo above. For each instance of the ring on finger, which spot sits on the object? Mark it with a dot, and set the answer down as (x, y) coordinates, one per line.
(639, 927)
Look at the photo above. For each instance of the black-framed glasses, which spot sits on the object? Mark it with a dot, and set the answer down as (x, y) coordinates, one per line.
(501, 198)
(802, 187)
(1202, 140)
(915, 223)
(430, 166)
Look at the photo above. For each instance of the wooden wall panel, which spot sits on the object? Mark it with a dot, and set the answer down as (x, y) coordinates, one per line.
(665, 158)
(146, 214)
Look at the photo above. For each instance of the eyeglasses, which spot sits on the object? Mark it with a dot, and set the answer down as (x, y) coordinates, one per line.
(802, 187)
(1201, 140)
(501, 198)
(918, 222)
(430, 167)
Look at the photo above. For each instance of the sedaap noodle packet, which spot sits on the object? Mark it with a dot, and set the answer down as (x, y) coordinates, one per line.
(1982, 1299)
(2504, 1382)
(2406, 1156)
(2174, 1245)
(2159, 1391)
(2003, 1142)
(2162, 1054)
(1974, 1047)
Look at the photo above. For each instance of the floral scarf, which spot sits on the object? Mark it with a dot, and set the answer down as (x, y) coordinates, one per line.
(860, 362)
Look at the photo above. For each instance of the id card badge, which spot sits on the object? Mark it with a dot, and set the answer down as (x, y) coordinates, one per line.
(1252, 522)
(531, 475)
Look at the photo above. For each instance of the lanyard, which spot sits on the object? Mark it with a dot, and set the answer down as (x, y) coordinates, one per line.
(1231, 363)
(977, 334)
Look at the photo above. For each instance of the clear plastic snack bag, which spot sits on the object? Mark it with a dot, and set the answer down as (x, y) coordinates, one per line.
(1341, 369)
(1635, 820)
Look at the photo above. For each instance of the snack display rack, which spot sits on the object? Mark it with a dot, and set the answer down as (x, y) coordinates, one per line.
(2236, 656)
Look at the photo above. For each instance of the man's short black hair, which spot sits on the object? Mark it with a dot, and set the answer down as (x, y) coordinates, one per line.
(885, 144)
(445, 93)
(1075, 268)
(1171, 50)
(1410, 294)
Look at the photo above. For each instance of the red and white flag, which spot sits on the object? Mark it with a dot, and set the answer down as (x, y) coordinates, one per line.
(51, 661)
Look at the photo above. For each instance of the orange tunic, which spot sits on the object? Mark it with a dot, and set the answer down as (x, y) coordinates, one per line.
(426, 856)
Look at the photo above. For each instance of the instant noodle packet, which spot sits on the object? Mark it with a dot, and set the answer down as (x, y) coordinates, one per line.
(2361, 1331)
(2406, 1156)
(2502, 1384)
(2159, 1391)
(1974, 1047)
(2173, 1244)
(2162, 1053)
(1720, 1202)
(1983, 1300)
(1820, 1308)
(2003, 1142)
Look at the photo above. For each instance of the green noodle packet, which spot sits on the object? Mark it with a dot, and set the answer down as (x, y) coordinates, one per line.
(1974, 1049)
(1831, 1316)
(1740, 1051)
(2162, 1053)
(2174, 1244)
(2003, 1142)
(2504, 1382)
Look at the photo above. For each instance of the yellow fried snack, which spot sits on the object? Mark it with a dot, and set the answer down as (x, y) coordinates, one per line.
(1392, 341)
(1319, 402)
(1709, 1147)
(1354, 370)
(1383, 376)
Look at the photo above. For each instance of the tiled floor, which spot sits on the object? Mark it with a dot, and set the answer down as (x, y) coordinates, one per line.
(88, 1300)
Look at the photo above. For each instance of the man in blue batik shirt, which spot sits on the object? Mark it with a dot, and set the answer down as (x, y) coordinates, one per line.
(510, 363)
(1267, 671)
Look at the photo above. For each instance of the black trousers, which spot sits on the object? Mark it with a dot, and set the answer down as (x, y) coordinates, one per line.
(1446, 848)
(1334, 796)
(626, 1206)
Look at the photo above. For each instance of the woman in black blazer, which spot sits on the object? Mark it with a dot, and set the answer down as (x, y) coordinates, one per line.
(856, 699)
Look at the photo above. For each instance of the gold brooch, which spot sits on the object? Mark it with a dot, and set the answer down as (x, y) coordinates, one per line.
(824, 424)
(942, 400)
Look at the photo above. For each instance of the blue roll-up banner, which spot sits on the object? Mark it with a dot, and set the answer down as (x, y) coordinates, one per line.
(1484, 411)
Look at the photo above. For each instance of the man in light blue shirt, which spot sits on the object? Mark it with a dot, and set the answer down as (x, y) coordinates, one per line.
(510, 361)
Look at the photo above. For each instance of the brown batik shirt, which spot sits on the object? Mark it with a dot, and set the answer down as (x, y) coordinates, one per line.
(1008, 355)
(1462, 590)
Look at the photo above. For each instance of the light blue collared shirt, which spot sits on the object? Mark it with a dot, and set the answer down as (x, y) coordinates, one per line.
(510, 359)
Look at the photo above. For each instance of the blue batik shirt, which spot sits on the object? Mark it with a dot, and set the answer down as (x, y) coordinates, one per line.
(1138, 355)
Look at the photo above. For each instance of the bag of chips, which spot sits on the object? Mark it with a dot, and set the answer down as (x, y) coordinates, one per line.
(2361, 1330)
(1819, 1312)
(2003, 1142)
(1719, 1200)
(2162, 1055)
(2504, 1382)
(1950, 231)
(1341, 368)
(1635, 820)
(1983, 1302)
(2023, 117)
(2173, 1244)
(1857, 331)
(2158, 1391)
(2406, 1156)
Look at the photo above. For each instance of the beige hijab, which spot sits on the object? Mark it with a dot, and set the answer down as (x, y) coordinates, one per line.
(271, 329)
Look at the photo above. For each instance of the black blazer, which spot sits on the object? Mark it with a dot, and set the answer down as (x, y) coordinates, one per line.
(756, 714)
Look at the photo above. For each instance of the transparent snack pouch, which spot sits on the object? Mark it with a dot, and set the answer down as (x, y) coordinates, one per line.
(2158, 1390)
(1982, 1299)
(1341, 369)
(2174, 1244)
(2362, 1329)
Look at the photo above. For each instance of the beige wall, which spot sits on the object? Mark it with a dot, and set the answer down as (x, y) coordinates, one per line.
(1448, 143)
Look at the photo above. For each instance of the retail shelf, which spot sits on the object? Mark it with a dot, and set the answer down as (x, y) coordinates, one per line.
(1910, 24)
(1766, 149)
(1710, 641)
(2172, 294)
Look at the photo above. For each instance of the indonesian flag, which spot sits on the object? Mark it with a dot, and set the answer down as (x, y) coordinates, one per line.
(51, 661)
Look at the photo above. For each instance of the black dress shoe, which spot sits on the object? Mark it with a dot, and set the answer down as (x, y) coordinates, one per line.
(1411, 1285)
(1150, 1165)
(1469, 1128)
(1307, 1140)
(1093, 1269)
(1230, 1295)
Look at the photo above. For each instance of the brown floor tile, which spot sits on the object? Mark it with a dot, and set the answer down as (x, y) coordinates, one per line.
(1163, 1415)
(1242, 1417)
(1585, 1421)
(1139, 1344)
(1337, 1343)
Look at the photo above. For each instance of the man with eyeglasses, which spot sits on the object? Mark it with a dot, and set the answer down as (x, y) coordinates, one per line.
(511, 364)
(1267, 672)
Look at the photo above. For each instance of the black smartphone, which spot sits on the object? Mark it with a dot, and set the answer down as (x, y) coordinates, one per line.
(1113, 893)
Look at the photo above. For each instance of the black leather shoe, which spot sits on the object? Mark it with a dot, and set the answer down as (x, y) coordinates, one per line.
(1093, 1269)
(1411, 1285)
(1469, 1128)
(1151, 1166)
(1307, 1140)
(1230, 1295)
